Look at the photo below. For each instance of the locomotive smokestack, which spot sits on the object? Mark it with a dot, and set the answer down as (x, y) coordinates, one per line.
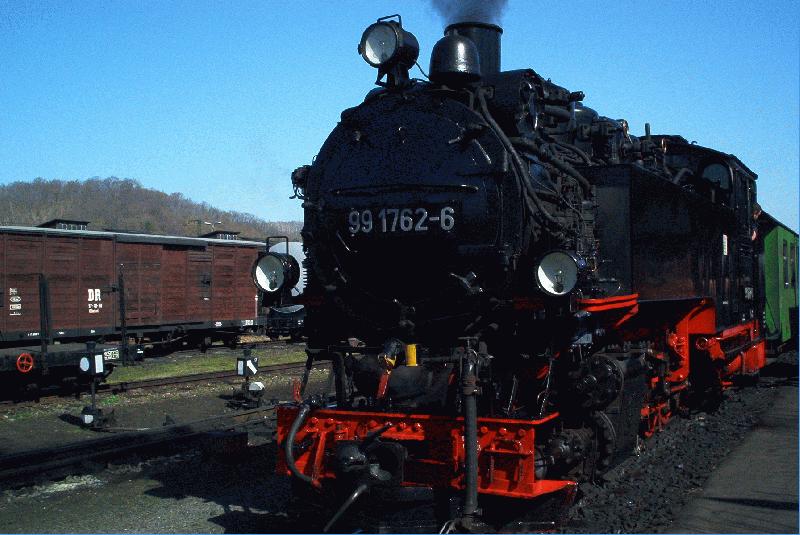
(478, 20)
(486, 38)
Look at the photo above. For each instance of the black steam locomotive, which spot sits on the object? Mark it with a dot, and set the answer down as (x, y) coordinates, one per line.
(512, 288)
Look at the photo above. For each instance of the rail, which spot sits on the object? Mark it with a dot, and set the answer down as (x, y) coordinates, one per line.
(194, 378)
(117, 388)
(21, 466)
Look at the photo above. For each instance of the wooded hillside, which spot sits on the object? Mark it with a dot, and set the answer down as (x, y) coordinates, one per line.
(124, 204)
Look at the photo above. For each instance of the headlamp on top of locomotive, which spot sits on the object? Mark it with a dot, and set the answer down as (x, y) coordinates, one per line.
(275, 272)
(389, 48)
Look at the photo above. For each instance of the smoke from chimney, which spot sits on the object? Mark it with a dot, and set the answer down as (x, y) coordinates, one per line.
(487, 11)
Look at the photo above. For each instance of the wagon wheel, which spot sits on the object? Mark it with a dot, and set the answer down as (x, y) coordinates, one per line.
(25, 362)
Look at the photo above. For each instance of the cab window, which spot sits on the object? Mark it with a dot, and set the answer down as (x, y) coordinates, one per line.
(717, 178)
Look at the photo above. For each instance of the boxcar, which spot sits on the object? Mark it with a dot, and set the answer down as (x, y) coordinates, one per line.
(67, 286)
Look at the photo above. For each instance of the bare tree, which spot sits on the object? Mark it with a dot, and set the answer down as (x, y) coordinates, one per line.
(124, 204)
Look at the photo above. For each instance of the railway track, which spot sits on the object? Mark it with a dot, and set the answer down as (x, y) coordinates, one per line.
(196, 378)
(112, 444)
(117, 388)
(46, 463)
(254, 342)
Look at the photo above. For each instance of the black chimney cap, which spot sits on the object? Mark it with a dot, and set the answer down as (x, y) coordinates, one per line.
(487, 39)
(465, 24)
(455, 61)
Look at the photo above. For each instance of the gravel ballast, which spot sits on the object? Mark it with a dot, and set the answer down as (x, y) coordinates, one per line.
(647, 492)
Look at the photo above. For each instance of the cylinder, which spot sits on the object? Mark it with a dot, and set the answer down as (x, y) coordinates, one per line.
(486, 37)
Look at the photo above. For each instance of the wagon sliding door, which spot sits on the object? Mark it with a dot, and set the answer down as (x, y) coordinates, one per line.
(96, 302)
(22, 264)
(141, 265)
(173, 283)
(198, 286)
(245, 291)
(224, 277)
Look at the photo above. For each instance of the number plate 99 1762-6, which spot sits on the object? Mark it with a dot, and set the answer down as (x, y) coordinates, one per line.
(388, 220)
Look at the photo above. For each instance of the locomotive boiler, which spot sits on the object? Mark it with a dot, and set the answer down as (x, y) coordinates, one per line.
(512, 289)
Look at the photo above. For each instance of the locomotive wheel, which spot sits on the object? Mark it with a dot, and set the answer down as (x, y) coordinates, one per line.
(707, 397)
(25, 363)
(589, 448)
(680, 404)
(605, 437)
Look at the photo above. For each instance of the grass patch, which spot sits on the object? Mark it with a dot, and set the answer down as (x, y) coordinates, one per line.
(113, 399)
(192, 364)
(264, 359)
(15, 415)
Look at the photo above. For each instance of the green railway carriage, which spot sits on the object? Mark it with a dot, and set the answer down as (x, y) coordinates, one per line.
(780, 281)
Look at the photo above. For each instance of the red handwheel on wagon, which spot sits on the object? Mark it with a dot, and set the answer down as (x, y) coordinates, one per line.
(25, 362)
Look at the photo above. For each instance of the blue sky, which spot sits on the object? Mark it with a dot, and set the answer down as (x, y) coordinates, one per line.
(221, 100)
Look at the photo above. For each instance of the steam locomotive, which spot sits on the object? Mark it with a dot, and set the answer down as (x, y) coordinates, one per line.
(513, 290)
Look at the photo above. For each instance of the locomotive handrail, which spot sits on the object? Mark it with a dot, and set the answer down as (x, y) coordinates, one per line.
(392, 188)
(285, 238)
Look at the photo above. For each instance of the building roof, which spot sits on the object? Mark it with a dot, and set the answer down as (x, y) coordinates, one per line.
(217, 233)
(130, 237)
(54, 222)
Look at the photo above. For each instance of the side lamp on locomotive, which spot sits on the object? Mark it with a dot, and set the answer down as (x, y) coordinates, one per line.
(275, 274)
(557, 272)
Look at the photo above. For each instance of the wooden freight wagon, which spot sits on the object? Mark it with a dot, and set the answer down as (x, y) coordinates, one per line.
(199, 288)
